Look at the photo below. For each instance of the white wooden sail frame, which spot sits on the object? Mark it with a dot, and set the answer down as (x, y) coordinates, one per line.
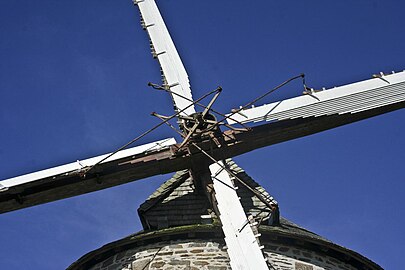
(243, 248)
(82, 164)
(174, 74)
(352, 98)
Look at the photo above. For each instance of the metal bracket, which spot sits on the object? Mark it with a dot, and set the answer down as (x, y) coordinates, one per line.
(380, 76)
(310, 92)
(80, 164)
(158, 53)
(156, 86)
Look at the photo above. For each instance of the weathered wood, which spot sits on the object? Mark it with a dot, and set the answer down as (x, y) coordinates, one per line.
(154, 163)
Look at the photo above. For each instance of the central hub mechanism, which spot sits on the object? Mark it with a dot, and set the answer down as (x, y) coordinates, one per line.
(198, 124)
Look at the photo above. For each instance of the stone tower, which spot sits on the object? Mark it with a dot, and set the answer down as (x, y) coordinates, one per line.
(181, 231)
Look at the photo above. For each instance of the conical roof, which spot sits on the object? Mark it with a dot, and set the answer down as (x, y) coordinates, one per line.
(177, 202)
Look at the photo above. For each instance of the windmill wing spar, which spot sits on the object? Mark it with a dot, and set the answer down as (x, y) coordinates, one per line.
(68, 180)
(243, 245)
(287, 120)
(174, 75)
(377, 95)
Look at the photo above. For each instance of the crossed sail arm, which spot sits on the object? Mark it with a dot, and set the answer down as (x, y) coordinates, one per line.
(174, 74)
(243, 247)
(82, 164)
(67, 180)
(382, 91)
(300, 117)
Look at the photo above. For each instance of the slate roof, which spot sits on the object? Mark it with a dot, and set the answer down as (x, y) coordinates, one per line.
(177, 202)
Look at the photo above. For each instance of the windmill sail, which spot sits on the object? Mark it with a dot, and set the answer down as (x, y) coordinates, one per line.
(288, 119)
(174, 74)
(353, 98)
(67, 180)
(23, 194)
(243, 246)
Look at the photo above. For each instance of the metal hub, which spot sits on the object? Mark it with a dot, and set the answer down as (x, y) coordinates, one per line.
(200, 124)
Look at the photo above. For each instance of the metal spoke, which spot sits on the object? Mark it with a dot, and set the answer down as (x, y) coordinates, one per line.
(149, 131)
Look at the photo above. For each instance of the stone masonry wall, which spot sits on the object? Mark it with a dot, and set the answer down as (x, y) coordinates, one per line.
(287, 258)
(171, 255)
(211, 255)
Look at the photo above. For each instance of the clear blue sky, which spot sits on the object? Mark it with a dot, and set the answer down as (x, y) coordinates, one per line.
(73, 78)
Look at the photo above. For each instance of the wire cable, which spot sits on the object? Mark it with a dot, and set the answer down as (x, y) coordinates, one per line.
(153, 257)
(259, 195)
(148, 131)
(199, 104)
(302, 75)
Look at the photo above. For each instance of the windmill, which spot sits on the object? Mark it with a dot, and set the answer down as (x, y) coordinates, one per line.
(240, 120)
